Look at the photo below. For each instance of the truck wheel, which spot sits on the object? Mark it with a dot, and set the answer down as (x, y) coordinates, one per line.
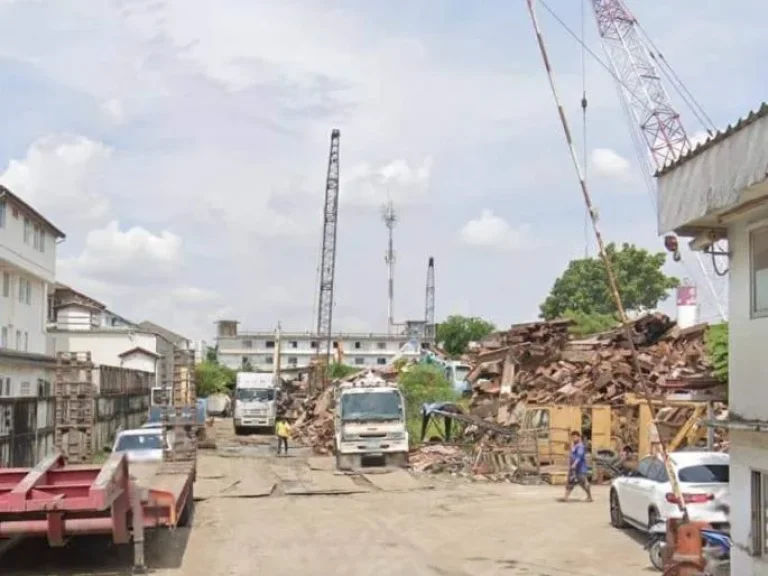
(238, 431)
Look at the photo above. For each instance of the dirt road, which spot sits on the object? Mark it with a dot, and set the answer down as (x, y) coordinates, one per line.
(258, 514)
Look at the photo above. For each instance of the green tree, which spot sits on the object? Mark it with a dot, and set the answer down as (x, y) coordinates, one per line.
(457, 331)
(583, 287)
(586, 324)
(421, 383)
(212, 378)
(338, 370)
(716, 341)
(211, 355)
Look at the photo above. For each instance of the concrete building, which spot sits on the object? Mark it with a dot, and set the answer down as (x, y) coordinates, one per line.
(167, 341)
(78, 323)
(297, 349)
(28, 265)
(720, 191)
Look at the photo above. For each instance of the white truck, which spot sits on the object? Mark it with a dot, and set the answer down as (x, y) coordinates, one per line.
(369, 423)
(255, 401)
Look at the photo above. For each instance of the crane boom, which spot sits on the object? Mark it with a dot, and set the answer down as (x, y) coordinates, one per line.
(640, 83)
(328, 255)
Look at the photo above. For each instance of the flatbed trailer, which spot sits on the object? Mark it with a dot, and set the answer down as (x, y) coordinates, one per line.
(59, 501)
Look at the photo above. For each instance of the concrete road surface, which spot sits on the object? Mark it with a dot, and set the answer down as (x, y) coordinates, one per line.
(260, 515)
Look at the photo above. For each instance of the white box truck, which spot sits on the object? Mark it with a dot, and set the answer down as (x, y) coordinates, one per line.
(369, 423)
(255, 402)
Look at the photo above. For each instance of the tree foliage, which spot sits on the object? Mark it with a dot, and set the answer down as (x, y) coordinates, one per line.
(337, 370)
(586, 324)
(211, 355)
(583, 287)
(716, 342)
(212, 378)
(457, 331)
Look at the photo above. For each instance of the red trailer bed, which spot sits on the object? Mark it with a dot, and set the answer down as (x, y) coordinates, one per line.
(58, 500)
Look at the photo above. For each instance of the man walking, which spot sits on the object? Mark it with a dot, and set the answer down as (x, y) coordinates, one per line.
(283, 431)
(577, 468)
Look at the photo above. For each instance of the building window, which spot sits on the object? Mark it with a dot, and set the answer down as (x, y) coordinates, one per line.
(758, 250)
(26, 341)
(268, 359)
(759, 489)
(294, 344)
(3, 207)
(6, 284)
(2, 379)
(22, 291)
(41, 246)
(381, 345)
(27, 230)
(52, 310)
(270, 343)
(36, 237)
(28, 292)
(18, 339)
(313, 344)
(293, 361)
(381, 361)
(4, 339)
(335, 345)
(26, 389)
(359, 361)
(7, 386)
(358, 345)
(247, 343)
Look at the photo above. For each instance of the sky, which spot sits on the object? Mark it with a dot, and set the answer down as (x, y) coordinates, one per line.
(182, 146)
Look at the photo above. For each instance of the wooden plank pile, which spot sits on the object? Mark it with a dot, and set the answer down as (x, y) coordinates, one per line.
(541, 363)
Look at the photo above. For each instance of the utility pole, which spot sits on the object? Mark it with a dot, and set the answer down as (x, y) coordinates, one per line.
(429, 308)
(390, 219)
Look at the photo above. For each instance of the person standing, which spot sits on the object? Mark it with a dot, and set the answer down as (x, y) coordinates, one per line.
(577, 468)
(283, 431)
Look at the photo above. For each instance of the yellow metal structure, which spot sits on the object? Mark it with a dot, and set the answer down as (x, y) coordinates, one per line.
(690, 433)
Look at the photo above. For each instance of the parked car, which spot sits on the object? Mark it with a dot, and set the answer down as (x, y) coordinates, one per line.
(140, 445)
(644, 496)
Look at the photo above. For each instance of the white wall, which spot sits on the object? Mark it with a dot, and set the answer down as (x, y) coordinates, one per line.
(18, 380)
(74, 318)
(748, 361)
(138, 361)
(15, 315)
(22, 255)
(105, 346)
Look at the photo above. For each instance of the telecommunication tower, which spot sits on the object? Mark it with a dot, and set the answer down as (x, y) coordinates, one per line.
(390, 219)
(429, 311)
(328, 254)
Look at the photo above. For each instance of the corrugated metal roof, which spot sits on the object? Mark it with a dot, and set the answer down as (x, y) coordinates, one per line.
(717, 137)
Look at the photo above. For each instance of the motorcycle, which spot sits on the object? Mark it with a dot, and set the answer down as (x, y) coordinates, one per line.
(716, 548)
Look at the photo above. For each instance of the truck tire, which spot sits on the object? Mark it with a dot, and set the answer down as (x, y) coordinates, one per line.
(238, 431)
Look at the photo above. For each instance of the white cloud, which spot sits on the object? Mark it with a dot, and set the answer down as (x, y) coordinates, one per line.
(366, 186)
(113, 108)
(491, 231)
(194, 295)
(607, 162)
(132, 257)
(62, 175)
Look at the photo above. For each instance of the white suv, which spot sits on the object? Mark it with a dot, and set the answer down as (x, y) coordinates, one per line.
(645, 496)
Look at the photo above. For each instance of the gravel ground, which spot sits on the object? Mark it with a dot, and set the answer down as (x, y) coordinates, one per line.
(441, 528)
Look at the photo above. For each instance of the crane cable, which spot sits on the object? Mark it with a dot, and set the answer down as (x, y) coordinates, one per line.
(612, 282)
(584, 116)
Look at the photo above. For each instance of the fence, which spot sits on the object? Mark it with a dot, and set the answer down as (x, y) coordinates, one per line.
(28, 425)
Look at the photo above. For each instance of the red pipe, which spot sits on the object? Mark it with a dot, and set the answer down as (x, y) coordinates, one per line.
(72, 526)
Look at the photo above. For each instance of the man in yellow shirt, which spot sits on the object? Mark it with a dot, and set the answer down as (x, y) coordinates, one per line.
(283, 431)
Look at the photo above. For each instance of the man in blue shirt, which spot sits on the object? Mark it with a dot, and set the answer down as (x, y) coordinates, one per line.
(577, 467)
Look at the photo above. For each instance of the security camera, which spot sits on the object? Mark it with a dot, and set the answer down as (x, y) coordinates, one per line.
(672, 245)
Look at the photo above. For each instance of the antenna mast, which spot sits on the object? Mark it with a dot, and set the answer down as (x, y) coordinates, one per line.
(429, 311)
(390, 219)
(328, 256)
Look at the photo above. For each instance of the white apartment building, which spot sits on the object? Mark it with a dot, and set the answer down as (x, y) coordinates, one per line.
(235, 349)
(78, 323)
(27, 269)
(720, 191)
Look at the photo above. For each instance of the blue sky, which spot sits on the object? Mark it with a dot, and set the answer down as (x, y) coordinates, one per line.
(182, 146)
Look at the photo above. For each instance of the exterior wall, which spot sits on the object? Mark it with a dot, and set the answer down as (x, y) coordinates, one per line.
(296, 349)
(23, 324)
(106, 346)
(76, 318)
(22, 255)
(26, 430)
(24, 380)
(139, 361)
(749, 451)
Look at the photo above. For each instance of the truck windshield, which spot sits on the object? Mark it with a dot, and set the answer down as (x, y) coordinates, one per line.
(371, 406)
(255, 394)
(134, 442)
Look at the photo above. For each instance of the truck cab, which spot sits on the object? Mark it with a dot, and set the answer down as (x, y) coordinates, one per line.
(255, 402)
(369, 423)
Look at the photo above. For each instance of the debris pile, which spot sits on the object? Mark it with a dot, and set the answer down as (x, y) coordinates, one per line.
(314, 423)
(438, 458)
(539, 363)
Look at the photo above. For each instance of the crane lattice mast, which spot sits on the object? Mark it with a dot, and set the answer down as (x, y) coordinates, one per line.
(429, 311)
(389, 216)
(328, 255)
(640, 83)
